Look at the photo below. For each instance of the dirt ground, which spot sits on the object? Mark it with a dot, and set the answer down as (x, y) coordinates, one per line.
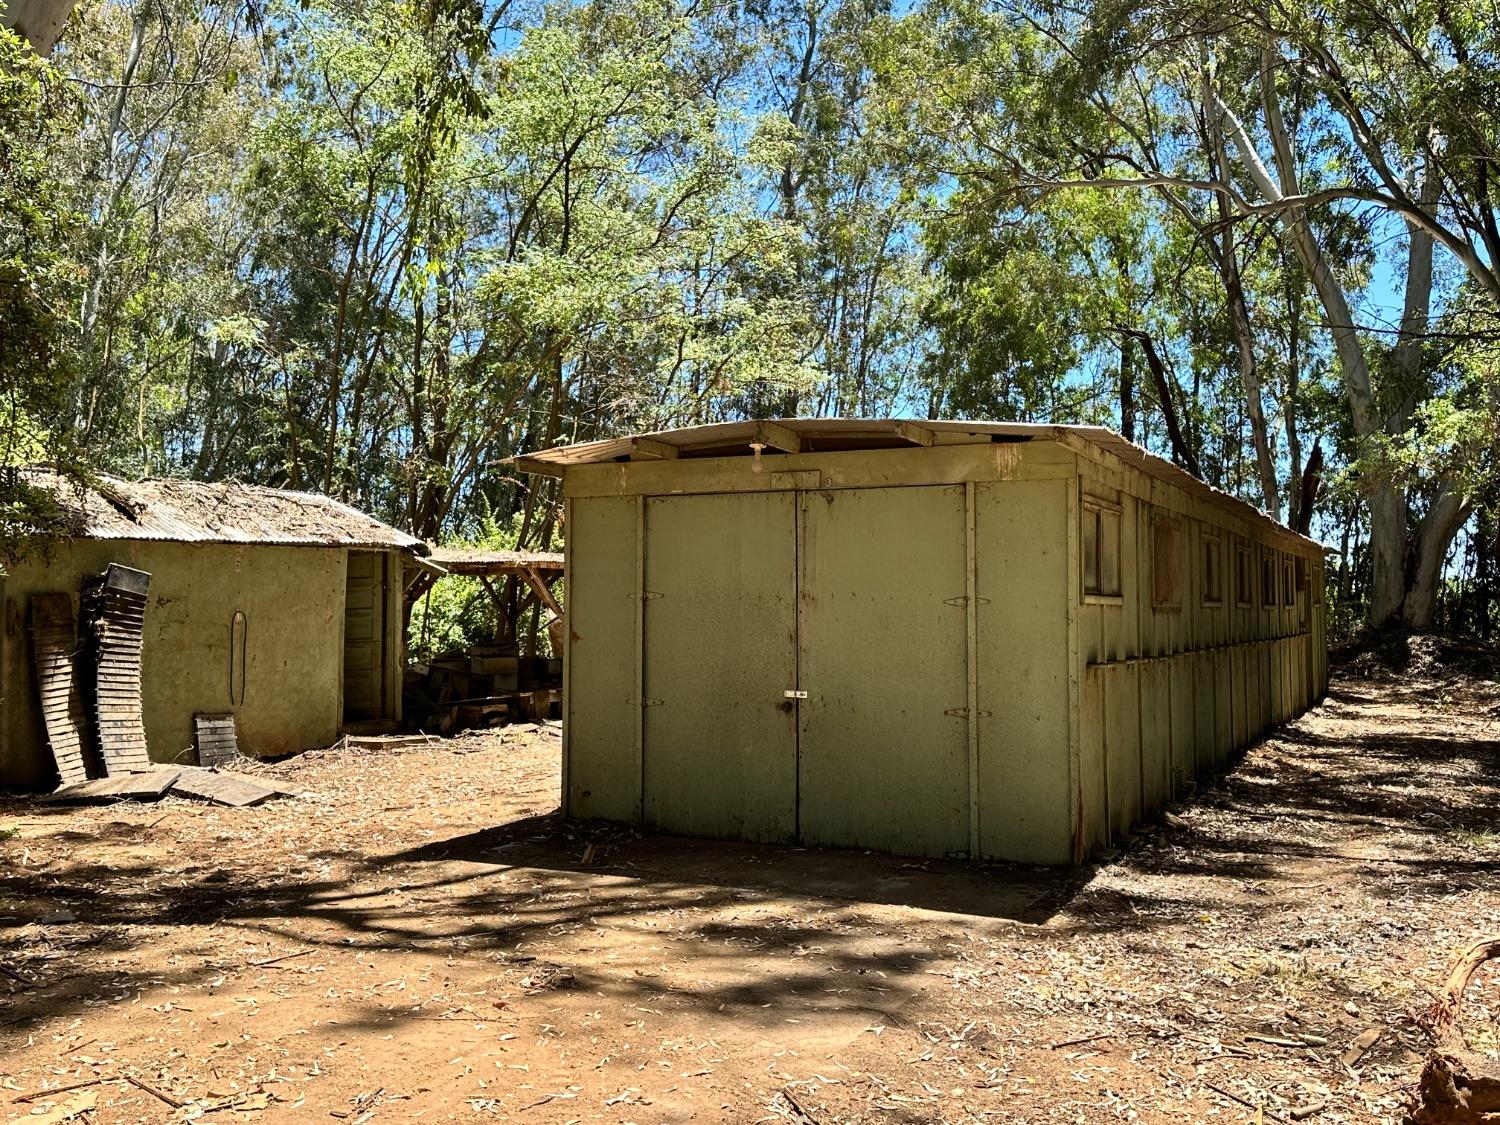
(421, 937)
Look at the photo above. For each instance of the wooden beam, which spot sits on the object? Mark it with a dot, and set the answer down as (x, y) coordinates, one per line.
(419, 586)
(777, 436)
(543, 468)
(500, 606)
(917, 435)
(543, 594)
(650, 447)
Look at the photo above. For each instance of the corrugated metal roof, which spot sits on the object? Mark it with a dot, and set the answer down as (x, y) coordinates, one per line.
(184, 511)
(476, 560)
(726, 439)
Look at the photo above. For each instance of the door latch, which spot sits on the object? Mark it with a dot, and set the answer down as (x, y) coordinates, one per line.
(790, 694)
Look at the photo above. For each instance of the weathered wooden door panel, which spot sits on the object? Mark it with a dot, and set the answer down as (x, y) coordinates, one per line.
(364, 636)
(1026, 796)
(720, 628)
(884, 743)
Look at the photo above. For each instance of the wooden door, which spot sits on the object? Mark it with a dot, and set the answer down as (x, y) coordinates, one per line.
(883, 759)
(364, 637)
(719, 743)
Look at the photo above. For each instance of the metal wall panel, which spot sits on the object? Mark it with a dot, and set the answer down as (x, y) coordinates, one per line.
(720, 741)
(602, 765)
(1093, 777)
(1156, 734)
(1205, 712)
(1024, 585)
(1224, 746)
(1184, 736)
(884, 739)
(1122, 745)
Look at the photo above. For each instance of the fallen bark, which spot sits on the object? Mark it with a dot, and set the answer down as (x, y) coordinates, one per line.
(1457, 1087)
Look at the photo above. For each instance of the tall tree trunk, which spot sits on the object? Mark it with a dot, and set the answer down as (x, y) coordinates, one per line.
(1386, 501)
(1445, 515)
(1415, 309)
(1127, 386)
(39, 22)
(114, 177)
(1298, 516)
(1226, 259)
(1182, 453)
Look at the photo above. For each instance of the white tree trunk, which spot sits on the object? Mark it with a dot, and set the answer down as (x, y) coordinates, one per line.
(1444, 517)
(1239, 317)
(1416, 307)
(39, 22)
(1387, 504)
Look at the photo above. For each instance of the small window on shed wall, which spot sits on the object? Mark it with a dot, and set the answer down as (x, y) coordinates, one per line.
(1213, 570)
(1305, 574)
(1100, 557)
(1288, 584)
(1244, 576)
(1166, 562)
(1268, 581)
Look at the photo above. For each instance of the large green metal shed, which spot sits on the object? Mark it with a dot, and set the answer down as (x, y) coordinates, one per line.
(931, 638)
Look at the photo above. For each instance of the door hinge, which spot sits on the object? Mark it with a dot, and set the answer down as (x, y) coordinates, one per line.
(963, 713)
(645, 595)
(651, 703)
(962, 601)
(790, 694)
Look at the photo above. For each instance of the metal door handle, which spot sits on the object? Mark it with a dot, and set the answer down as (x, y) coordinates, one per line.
(790, 694)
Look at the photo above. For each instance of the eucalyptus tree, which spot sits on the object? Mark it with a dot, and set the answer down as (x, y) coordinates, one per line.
(38, 291)
(164, 116)
(1320, 120)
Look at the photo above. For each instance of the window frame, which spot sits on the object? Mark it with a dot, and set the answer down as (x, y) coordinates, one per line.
(1172, 526)
(1244, 592)
(1270, 579)
(1104, 512)
(1211, 539)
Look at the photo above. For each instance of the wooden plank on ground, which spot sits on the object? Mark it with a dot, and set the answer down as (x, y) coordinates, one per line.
(146, 785)
(221, 788)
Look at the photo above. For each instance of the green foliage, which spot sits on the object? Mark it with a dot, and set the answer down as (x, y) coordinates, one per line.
(38, 288)
(376, 251)
(457, 613)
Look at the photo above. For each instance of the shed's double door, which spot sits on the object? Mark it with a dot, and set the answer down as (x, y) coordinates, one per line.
(805, 667)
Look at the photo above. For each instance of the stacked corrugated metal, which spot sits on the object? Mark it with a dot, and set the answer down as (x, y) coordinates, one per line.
(115, 610)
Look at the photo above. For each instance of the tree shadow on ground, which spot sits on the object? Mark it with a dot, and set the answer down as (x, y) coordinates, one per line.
(749, 914)
(1002, 892)
(509, 891)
